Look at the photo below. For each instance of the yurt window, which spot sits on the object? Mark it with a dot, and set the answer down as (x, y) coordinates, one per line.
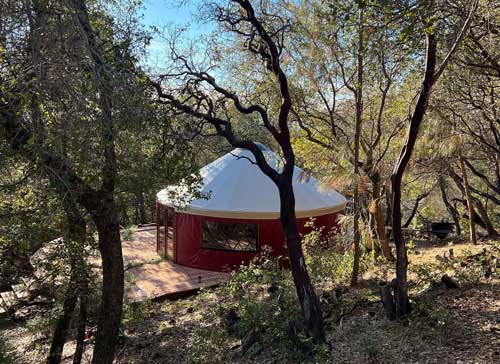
(230, 236)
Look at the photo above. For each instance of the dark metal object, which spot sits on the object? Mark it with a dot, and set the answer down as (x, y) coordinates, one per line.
(441, 229)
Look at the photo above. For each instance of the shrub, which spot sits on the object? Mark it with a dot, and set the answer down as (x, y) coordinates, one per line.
(327, 262)
(264, 299)
(134, 313)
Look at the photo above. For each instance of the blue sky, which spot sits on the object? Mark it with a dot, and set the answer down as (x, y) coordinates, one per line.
(159, 12)
(162, 13)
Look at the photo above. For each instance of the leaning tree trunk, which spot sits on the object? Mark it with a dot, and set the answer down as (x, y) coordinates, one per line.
(378, 217)
(309, 302)
(451, 209)
(470, 203)
(430, 77)
(63, 322)
(402, 303)
(492, 233)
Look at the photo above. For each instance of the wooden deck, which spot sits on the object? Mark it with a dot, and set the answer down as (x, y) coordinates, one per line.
(150, 276)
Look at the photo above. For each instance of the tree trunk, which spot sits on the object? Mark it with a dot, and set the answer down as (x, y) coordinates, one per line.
(309, 302)
(62, 326)
(470, 204)
(388, 219)
(387, 299)
(74, 240)
(451, 209)
(486, 219)
(106, 217)
(81, 327)
(109, 242)
(401, 290)
(415, 209)
(378, 217)
(142, 208)
(357, 136)
(402, 302)
(430, 77)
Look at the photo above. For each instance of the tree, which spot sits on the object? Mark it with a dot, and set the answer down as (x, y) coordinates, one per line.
(432, 73)
(470, 206)
(68, 129)
(263, 32)
(349, 57)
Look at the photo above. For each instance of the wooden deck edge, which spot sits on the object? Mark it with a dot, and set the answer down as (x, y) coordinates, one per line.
(174, 296)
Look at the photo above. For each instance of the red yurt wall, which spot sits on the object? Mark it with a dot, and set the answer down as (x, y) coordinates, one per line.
(189, 251)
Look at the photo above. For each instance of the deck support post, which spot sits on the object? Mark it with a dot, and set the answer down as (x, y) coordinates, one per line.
(158, 227)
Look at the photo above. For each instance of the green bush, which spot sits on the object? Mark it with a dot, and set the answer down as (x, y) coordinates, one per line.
(264, 298)
(436, 318)
(328, 260)
(135, 313)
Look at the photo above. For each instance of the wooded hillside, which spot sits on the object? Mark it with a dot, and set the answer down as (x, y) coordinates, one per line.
(394, 104)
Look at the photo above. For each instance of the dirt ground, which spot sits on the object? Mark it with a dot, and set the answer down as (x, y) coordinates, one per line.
(463, 327)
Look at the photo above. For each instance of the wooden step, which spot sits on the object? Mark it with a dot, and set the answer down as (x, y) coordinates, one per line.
(29, 283)
(20, 291)
(9, 299)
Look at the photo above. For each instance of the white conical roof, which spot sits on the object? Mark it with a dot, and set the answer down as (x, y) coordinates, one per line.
(237, 188)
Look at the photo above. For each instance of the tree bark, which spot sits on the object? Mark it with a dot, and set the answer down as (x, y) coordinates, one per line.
(81, 327)
(106, 216)
(74, 240)
(451, 209)
(142, 208)
(470, 204)
(401, 290)
(378, 216)
(110, 314)
(415, 209)
(309, 302)
(357, 136)
(486, 219)
(62, 326)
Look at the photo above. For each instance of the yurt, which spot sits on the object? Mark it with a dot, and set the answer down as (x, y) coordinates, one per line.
(237, 215)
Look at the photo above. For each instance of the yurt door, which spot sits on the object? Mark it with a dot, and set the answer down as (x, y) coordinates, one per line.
(165, 223)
